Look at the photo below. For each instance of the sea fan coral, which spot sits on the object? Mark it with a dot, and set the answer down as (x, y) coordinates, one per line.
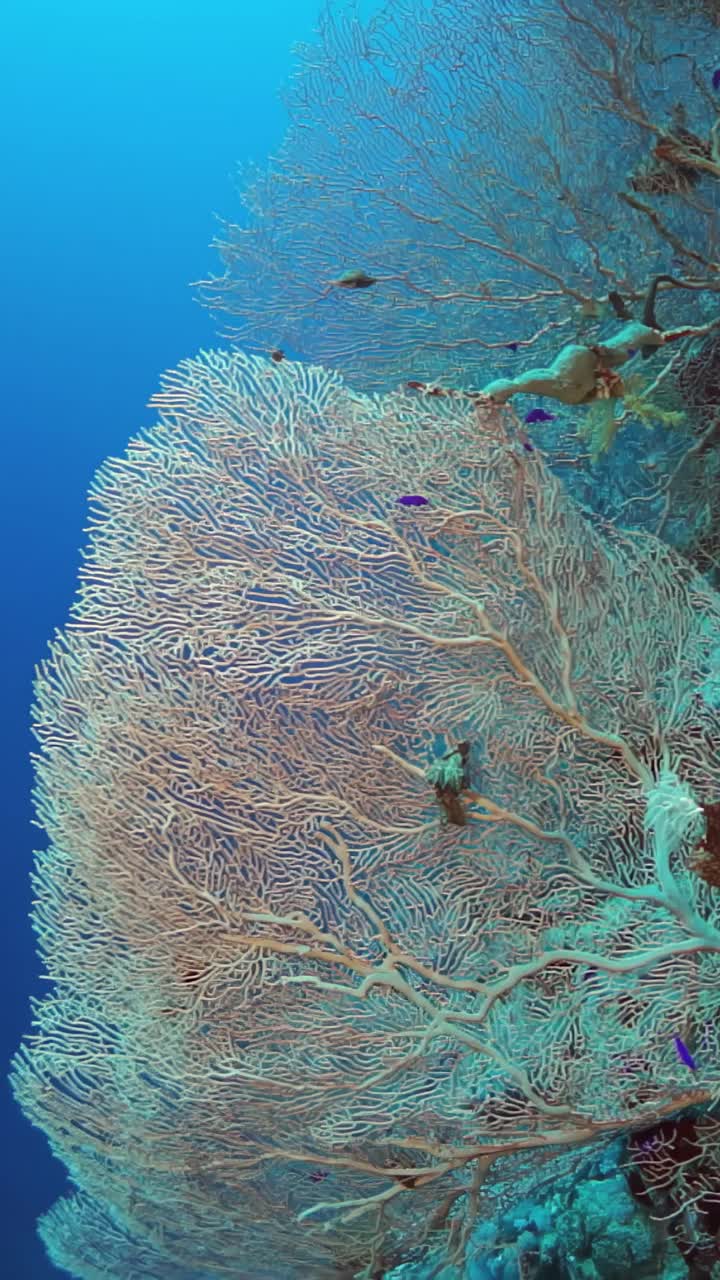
(271, 960)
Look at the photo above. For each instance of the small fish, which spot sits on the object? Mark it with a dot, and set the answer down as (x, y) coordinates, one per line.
(539, 415)
(354, 280)
(277, 355)
(512, 346)
(413, 500)
(526, 442)
(716, 80)
(318, 1175)
(632, 351)
(684, 1054)
(618, 305)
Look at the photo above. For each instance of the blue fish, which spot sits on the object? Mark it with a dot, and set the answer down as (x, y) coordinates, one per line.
(632, 351)
(684, 1054)
(716, 80)
(539, 415)
(512, 346)
(413, 500)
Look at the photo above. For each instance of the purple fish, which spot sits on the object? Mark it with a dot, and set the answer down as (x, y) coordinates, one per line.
(413, 500)
(684, 1054)
(632, 351)
(539, 415)
(716, 79)
(512, 346)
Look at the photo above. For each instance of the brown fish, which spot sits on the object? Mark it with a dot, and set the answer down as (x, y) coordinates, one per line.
(354, 280)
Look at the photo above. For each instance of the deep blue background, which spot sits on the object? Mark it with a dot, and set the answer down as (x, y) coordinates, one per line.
(121, 127)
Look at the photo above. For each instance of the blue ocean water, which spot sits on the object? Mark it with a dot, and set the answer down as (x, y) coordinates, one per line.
(415, 164)
(121, 127)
